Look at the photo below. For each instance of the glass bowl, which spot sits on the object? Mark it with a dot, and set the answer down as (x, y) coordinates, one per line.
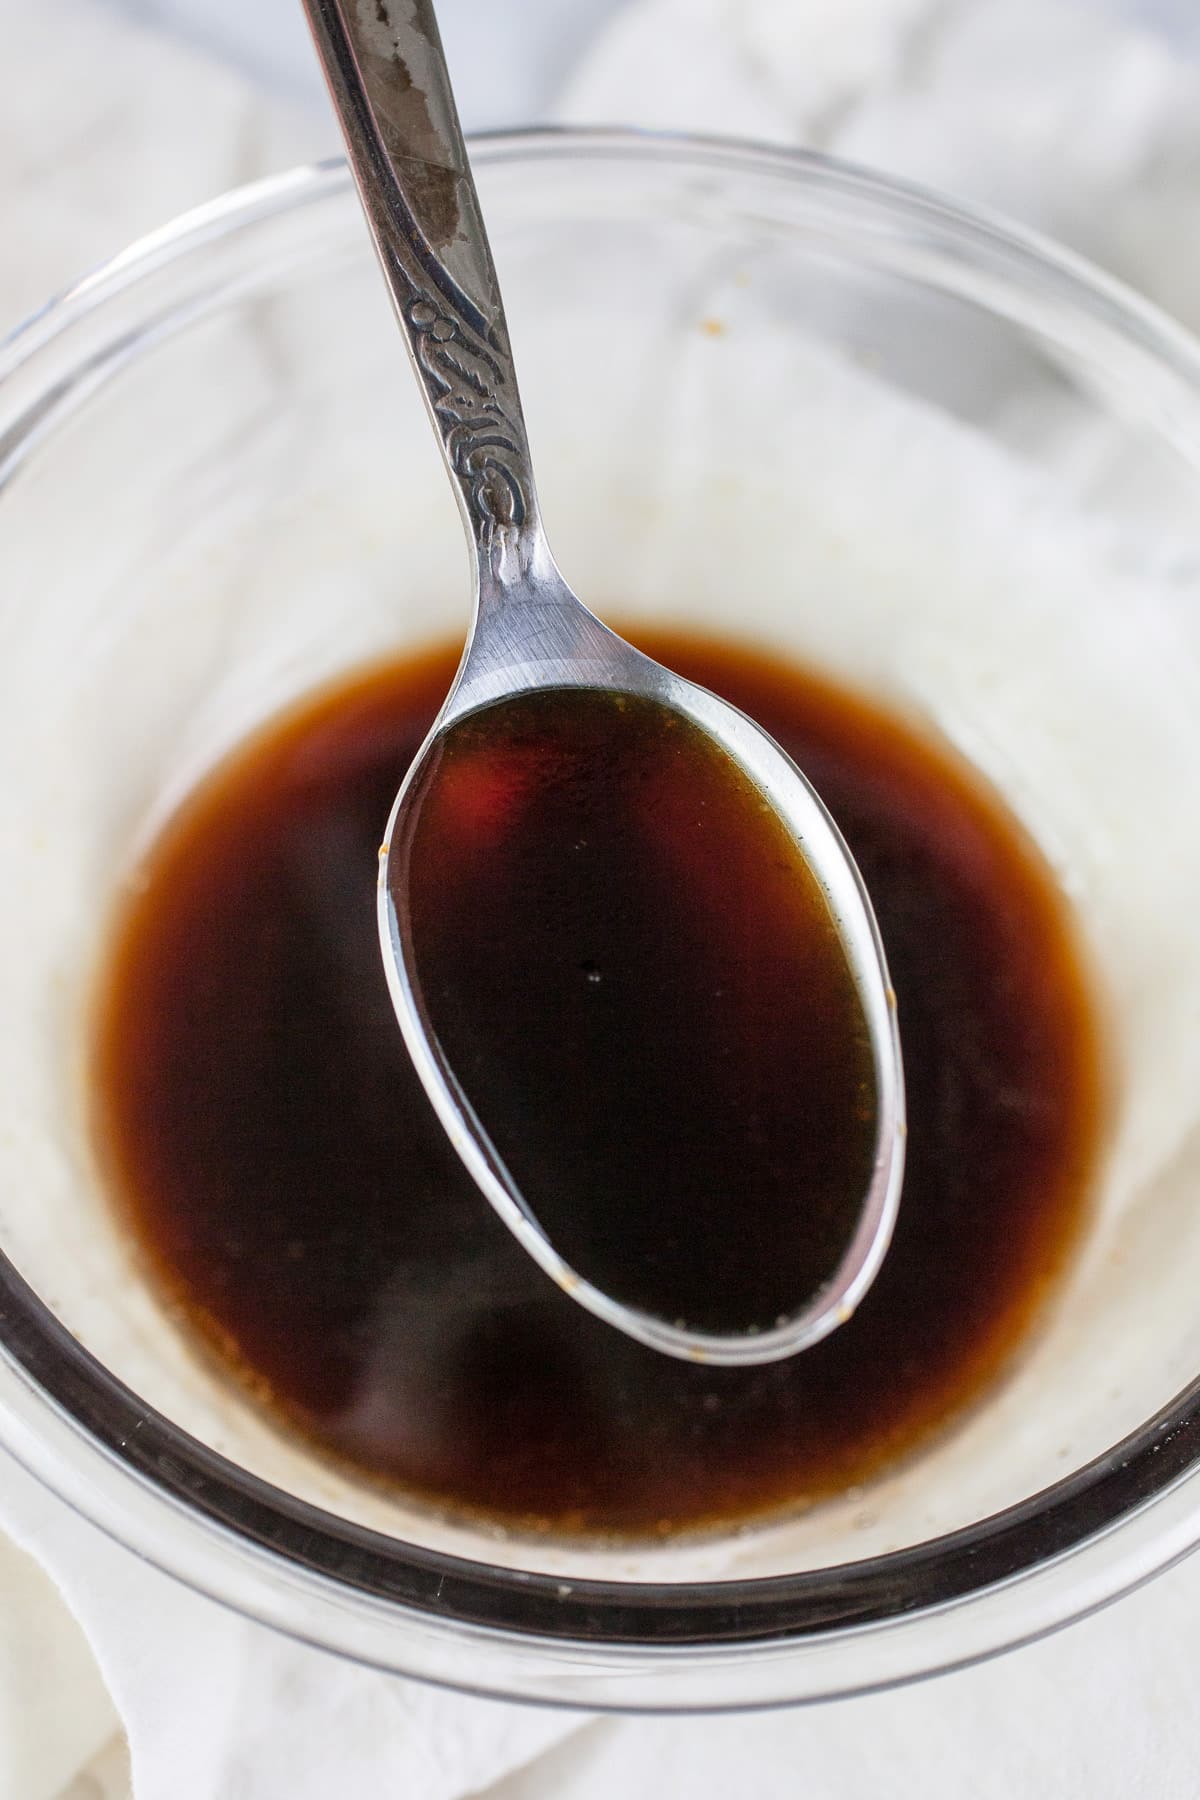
(976, 460)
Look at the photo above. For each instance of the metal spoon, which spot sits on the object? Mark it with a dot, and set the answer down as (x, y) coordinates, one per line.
(385, 68)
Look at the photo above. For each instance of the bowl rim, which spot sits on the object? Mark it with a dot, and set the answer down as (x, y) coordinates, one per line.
(590, 1642)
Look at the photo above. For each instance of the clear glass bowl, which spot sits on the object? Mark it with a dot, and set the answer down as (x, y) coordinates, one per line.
(772, 397)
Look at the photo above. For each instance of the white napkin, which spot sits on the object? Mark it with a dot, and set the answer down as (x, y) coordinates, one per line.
(216, 1707)
(1087, 128)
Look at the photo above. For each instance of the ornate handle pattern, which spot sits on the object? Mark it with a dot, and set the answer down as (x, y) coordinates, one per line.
(386, 71)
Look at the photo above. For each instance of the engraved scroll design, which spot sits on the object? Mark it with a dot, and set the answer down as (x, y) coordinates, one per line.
(385, 66)
(485, 444)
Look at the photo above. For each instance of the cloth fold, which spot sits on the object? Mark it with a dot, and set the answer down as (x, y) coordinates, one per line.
(217, 1707)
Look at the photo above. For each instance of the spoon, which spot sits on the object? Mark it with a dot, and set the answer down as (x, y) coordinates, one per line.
(386, 72)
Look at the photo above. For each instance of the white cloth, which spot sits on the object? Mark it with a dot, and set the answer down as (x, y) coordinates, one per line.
(1087, 128)
(217, 1707)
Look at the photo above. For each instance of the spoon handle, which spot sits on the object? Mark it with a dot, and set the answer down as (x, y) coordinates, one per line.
(387, 74)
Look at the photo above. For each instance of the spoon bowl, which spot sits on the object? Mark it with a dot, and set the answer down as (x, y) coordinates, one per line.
(391, 89)
(538, 635)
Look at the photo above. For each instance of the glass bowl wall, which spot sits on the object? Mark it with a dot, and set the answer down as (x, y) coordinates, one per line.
(771, 398)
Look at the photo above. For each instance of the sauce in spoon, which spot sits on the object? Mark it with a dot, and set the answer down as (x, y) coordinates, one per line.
(634, 974)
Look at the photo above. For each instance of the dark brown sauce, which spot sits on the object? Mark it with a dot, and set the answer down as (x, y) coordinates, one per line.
(281, 1170)
(638, 984)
